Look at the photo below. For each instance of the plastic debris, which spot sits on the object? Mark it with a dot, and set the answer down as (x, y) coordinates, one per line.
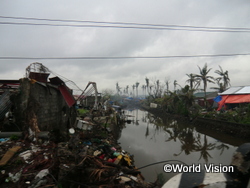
(71, 131)
(26, 155)
(42, 173)
(4, 139)
(118, 159)
(97, 152)
(87, 143)
(116, 154)
(127, 158)
(14, 178)
(124, 179)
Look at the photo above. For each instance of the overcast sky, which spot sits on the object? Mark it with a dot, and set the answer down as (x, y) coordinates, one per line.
(71, 41)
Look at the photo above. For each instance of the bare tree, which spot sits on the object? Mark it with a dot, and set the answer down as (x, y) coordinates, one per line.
(133, 86)
(167, 82)
(223, 77)
(144, 90)
(147, 84)
(118, 88)
(127, 89)
(176, 84)
(136, 86)
(194, 82)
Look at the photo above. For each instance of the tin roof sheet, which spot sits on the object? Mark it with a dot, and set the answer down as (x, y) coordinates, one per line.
(236, 90)
(243, 90)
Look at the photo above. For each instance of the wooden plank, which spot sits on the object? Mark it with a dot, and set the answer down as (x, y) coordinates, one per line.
(9, 154)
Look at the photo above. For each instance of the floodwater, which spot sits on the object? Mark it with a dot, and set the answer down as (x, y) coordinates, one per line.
(152, 139)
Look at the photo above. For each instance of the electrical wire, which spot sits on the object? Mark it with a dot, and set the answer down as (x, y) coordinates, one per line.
(123, 27)
(124, 57)
(241, 29)
(167, 161)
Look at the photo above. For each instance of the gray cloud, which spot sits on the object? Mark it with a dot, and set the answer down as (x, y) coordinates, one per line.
(46, 41)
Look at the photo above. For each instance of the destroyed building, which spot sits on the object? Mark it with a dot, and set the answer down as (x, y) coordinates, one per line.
(39, 103)
(82, 155)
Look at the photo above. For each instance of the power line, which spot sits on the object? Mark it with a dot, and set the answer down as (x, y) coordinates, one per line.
(181, 28)
(123, 57)
(124, 23)
(123, 27)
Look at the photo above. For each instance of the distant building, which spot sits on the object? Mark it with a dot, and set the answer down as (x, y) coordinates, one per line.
(233, 96)
(199, 98)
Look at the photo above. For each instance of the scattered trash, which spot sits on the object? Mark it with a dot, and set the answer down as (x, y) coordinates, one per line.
(42, 173)
(4, 139)
(88, 155)
(71, 131)
(14, 178)
(26, 155)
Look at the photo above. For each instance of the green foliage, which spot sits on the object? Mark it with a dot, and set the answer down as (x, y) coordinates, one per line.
(237, 115)
(159, 100)
(183, 103)
(82, 112)
(177, 102)
(14, 137)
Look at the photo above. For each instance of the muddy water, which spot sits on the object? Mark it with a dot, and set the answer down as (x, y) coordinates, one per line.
(152, 139)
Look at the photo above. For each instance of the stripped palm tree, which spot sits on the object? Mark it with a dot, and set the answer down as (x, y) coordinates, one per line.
(167, 82)
(220, 87)
(175, 84)
(224, 77)
(143, 90)
(136, 86)
(118, 88)
(157, 88)
(133, 86)
(205, 78)
(147, 83)
(127, 89)
(194, 82)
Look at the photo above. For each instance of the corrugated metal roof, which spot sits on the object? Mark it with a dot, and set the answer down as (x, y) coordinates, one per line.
(244, 90)
(236, 90)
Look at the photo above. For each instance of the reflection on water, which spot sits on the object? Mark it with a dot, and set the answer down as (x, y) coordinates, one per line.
(152, 139)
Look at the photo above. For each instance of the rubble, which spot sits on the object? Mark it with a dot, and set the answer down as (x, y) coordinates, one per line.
(90, 158)
(46, 144)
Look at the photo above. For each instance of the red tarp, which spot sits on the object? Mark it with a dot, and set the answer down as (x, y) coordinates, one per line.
(233, 99)
(67, 95)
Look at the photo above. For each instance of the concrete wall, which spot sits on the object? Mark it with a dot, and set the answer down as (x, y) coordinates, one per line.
(44, 103)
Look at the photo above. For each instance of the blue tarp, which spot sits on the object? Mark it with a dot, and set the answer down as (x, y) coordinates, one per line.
(218, 98)
(129, 98)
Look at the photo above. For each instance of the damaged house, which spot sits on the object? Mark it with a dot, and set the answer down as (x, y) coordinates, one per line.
(37, 104)
(234, 96)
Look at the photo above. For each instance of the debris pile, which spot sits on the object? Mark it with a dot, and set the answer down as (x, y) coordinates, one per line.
(60, 144)
(90, 158)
